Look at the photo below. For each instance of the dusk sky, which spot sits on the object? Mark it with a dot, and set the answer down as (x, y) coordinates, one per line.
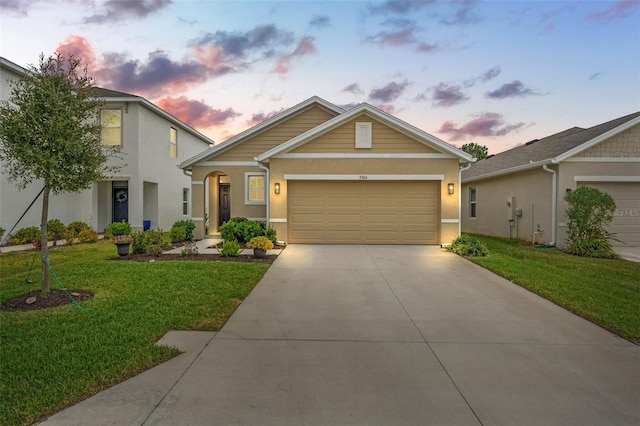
(498, 73)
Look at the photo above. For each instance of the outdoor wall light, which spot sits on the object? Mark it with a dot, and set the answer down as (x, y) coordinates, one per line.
(277, 187)
(450, 187)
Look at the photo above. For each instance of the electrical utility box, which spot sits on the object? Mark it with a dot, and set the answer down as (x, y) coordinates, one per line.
(511, 208)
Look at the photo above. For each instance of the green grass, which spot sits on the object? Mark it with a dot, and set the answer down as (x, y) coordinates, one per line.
(53, 358)
(604, 291)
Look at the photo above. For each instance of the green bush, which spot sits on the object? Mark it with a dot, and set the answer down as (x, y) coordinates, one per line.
(139, 242)
(271, 234)
(466, 245)
(55, 230)
(229, 249)
(78, 226)
(251, 229)
(178, 234)
(233, 229)
(156, 237)
(188, 226)
(154, 249)
(260, 243)
(26, 235)
(589, 210)
(2, 231)
(88, 235)
(118, 228)
(243, 230)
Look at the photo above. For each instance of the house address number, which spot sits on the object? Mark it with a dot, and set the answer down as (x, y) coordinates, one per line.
(363, 177)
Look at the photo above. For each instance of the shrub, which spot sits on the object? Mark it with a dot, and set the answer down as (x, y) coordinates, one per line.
(55, 230)
(233, 229)
(154, 249)
(229, 249)
(188, 226)
(88, 235)
(178, 234)
(466, 245)
(589, 210)
(118, 228)
(26, 235)
(156, 237)
(2, 231)
(260, 243)
(251, 229)
(271, 234)
(78, 226)
(139, 242)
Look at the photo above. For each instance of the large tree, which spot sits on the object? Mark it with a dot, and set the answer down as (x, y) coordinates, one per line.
(478, 151)
(50, 133)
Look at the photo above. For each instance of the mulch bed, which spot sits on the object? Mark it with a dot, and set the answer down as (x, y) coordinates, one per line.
(199, 257)
(56, 298)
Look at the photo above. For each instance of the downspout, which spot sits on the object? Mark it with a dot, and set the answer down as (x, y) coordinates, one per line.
(462, 169)
(268, 198)
(554, 203)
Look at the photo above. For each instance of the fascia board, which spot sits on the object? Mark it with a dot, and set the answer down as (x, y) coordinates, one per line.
(517, 169)
(578, 149)
(12, 66)
(375, 113)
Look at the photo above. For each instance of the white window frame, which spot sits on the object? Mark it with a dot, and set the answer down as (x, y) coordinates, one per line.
(363, 135)
(112, 127)
(247, 178)
(185, 201)
(173, 143)
(473, 202)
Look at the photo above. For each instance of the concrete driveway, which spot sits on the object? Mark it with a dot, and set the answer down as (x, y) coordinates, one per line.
(383, 335)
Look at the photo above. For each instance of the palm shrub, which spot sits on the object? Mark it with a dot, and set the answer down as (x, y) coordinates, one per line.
(466, 245)
(589, 210)
(229, 249)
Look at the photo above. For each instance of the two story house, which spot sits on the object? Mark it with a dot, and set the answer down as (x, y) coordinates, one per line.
(148, 191)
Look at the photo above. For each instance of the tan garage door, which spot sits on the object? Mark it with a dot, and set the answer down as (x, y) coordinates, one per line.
(363, 212)
(626, 223)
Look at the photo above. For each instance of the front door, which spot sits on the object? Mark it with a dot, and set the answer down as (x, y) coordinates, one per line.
(120, 204)
(224, 209)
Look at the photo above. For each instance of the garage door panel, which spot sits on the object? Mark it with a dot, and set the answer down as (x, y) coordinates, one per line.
(626, 221)
(364, 212)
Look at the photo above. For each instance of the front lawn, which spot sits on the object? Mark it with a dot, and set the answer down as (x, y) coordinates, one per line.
(53, 358)
(604, 291)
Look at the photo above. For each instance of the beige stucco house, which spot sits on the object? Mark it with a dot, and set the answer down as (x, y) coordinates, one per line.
(520, 193)
(320, 174)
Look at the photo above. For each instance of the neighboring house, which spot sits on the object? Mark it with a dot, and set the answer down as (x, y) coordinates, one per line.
(320, 174)
(149, 186)
(520, 193)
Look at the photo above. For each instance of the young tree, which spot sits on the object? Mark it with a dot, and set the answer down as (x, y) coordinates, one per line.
(478, 151)
(589, 210)
(50, 132)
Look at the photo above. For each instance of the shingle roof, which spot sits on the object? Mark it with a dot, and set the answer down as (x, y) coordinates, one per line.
(547, 148)
(108, 93)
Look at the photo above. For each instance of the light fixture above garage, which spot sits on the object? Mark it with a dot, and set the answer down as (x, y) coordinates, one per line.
(450, 187)
(277, 187)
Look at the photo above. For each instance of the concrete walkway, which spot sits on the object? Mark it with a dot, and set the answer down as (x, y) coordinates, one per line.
(380, 335)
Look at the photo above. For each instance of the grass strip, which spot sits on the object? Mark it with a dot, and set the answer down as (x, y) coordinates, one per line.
(52, 358)
(604, 291)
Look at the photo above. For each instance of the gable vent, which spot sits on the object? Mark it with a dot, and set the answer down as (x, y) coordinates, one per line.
(363, 135)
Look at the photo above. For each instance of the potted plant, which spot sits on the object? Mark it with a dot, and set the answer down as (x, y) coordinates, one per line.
(260, 245)
(121, 236)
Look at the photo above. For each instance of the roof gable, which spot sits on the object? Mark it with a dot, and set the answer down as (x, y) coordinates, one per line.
(262, 127)
(375, 114)
(551, 149)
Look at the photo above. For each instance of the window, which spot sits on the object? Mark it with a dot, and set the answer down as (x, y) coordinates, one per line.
(111, 122)
(185, 201)
(173, 142)
(472, 201)
(255, 188)
(363, 135)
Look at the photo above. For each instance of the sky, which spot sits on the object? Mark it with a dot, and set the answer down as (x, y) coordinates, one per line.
(497, 73)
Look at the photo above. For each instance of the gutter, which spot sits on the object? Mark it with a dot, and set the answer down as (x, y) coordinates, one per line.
(268, 198)
(554, 203)
(462, 169)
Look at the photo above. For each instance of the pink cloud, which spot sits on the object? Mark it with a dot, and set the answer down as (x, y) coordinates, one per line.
(305, 47)
(195, 113)
(616, 10)
(485, 125)
(79, 48)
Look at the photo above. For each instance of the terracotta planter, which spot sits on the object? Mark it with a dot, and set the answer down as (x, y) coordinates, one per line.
(123, 248)
(259, 253)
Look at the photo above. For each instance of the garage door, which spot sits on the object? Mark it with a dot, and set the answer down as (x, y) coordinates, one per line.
(363, 212)
(626, 223)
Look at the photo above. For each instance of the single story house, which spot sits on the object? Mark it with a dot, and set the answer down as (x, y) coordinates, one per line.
(149, 186)
(320, 174)
(520, 193)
